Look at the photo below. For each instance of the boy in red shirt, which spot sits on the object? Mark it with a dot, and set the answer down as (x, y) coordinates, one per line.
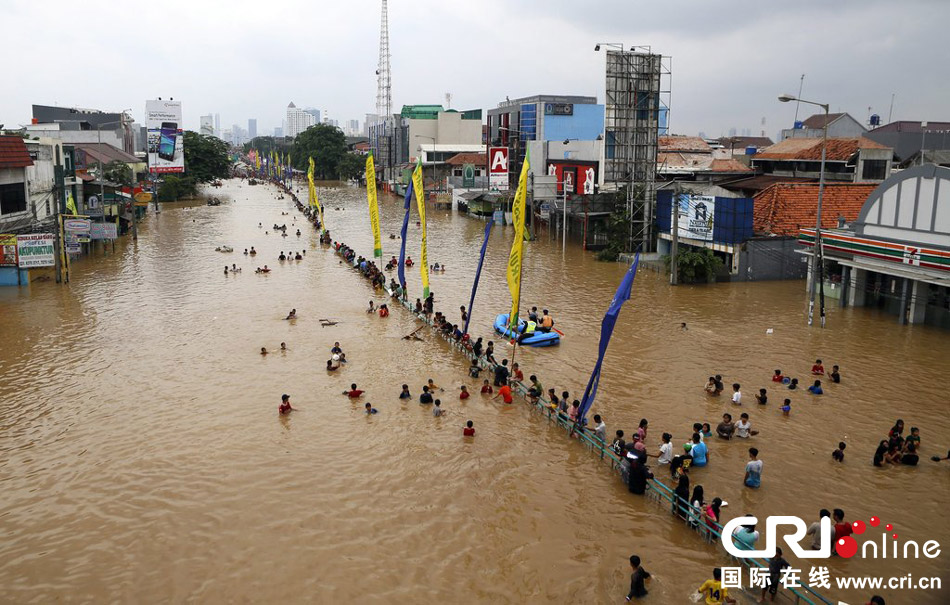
(505, 393)
(354, 392)
(469, 430)
(842, 529)
(777, 377)
(818, 369)
(486, 388)
(464, 394)
(284, 407)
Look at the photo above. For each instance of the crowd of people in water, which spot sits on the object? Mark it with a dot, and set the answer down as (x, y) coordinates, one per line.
(690, 502)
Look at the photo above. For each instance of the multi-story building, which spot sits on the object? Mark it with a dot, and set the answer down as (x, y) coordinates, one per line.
(563, 134)
(251, 128)
(840, 125)
(299, 120)
(207, 125)
(77, 125)
(908, 138)
(315, 113)
(854, 159)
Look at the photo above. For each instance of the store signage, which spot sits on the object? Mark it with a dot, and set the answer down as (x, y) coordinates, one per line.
(35, 250)
(558, 109)
(498, 168)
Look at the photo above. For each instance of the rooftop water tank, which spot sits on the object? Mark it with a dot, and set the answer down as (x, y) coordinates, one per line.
(875, 120)
(750, 150)
(799, 125)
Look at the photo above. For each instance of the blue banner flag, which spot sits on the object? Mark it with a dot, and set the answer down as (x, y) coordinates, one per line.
(402, 247)
(478, 273)
(606, 329)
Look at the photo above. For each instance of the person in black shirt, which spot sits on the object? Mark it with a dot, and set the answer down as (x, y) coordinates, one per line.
(638, 476)
(835, 376)
(501, 373)
(477, 348)
(637, 589)
(910, 456)
(426, 396)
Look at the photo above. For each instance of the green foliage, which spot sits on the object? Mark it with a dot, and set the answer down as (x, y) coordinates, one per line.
(268, 144)
(352, 166)
(174, 188)
(696, 264)
(326, 145)
(118, 172)
(206, 158)
(618, 229)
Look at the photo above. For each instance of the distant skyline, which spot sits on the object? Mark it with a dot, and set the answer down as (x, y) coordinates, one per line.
(730, 59)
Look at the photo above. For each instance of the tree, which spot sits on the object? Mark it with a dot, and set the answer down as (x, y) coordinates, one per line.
(695, 264)
(268, 144)
(174, 187)
(118, 172)
(352, 166)
(206, 157)
(325, 144)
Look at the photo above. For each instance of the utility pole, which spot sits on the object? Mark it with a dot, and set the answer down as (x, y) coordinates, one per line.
(675, 231)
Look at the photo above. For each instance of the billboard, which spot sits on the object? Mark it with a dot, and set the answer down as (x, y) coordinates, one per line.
(103, 231)
(7, 250)
(498, 168)
(694, 216)
(578, 176)
(165, 141)
(36, 250)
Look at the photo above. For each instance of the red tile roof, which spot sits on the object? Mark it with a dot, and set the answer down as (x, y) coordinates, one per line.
(13, 153)
(479, 159)
(839, 150)
(729, 165)
(784, 208)
(683, 143)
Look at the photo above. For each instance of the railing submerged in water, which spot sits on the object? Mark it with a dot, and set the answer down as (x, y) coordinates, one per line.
(656, 489)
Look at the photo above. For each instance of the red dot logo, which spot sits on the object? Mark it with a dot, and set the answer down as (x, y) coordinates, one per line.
(846, 547)
(858, 527)
(888, 527)
(874, 521)
(895, 536)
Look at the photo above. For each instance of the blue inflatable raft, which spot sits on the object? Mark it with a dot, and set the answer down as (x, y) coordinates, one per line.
(538, 339)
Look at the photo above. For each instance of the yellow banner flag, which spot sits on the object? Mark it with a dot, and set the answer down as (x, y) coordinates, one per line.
(314, 202)
(71, 203)
(373, 206)
(419, 189)
(517, 246)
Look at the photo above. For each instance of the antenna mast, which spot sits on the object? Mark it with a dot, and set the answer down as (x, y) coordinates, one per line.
(384, 87)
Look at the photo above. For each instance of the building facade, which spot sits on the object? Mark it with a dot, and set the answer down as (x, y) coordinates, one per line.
(251, 128)
(559, 132)
(206, 125)
(896, 256)
(855, 159)
(840, 125)
(299, 120)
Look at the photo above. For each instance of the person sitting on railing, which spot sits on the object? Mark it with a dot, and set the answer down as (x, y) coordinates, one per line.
(600, 429)
(618, 444)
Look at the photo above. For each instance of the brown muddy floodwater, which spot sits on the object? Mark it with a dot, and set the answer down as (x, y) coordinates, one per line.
(142, 458)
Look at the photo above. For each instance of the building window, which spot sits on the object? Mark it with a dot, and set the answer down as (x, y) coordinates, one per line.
(12, 198)
(874, 170)
(47, 207)
(457, 172)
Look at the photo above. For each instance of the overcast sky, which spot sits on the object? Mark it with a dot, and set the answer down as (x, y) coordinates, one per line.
(244, 59)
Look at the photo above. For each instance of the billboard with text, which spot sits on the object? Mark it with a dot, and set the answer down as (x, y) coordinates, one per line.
(166, 145)
(498, 168)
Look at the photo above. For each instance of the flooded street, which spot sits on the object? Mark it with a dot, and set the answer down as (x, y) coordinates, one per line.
(142, 458)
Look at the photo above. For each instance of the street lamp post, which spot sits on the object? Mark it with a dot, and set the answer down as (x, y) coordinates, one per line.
(816, 259)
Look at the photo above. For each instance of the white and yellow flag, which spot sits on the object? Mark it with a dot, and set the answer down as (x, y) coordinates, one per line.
(373, 206)
(419, 190)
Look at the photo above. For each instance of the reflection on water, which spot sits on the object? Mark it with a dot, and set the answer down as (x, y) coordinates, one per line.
(142, 458)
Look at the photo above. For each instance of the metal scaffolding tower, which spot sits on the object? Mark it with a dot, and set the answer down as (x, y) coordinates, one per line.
(635, 101)
(384, 98)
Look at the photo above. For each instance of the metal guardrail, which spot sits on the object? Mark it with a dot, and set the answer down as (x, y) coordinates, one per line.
(656, 489)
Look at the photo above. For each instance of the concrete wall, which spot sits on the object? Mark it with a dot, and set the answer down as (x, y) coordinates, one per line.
(41, 177)
(112, 137)
(448, 129)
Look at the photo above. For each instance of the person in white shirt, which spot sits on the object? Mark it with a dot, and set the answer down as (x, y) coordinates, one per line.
(743, 427)
(736, 394)
(665, 456)
(600, 430)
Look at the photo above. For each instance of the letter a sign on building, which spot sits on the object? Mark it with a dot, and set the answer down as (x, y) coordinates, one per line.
(498, 168)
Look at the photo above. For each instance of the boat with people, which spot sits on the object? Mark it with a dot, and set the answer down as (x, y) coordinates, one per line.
(538, 339)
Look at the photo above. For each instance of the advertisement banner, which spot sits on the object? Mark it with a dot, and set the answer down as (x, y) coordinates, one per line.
(373, 207)
(35, 250)
(7, 250)
(78, 226)
(515, 257)
(421, 204)
(165, 139)
(695, 216)
(498, 168)
(103, 231)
